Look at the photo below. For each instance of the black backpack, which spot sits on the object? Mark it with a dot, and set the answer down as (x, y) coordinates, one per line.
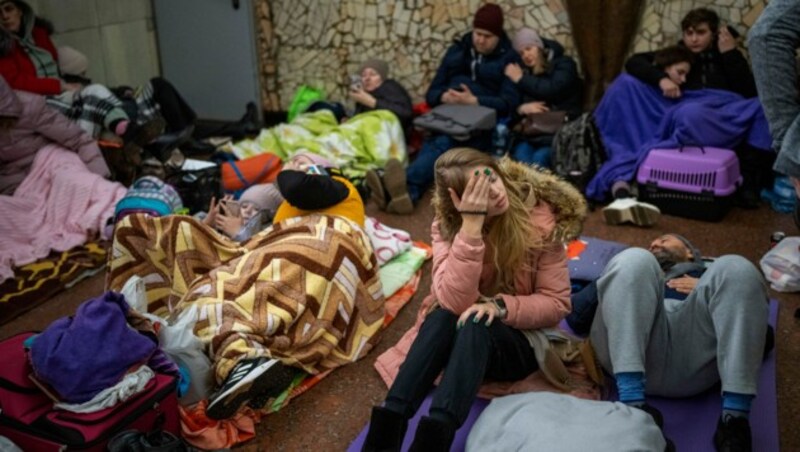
(578, 151)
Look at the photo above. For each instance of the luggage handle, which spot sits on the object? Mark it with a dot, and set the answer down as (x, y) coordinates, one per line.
(701, 147)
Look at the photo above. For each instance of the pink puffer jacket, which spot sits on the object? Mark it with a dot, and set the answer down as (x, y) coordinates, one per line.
(38, 125)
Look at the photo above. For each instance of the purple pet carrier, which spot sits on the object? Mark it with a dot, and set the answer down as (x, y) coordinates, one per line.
(691, 182)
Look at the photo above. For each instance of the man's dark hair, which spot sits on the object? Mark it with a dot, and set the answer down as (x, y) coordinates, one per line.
(699, 16)
(671, 55)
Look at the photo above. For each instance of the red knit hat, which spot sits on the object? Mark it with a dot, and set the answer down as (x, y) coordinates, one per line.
(489, 17)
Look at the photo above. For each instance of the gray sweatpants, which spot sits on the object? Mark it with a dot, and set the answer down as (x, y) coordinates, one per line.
(683, 346)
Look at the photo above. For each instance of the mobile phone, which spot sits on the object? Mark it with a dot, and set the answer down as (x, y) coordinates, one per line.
(233, 208)
(316, 169)
(355, 82)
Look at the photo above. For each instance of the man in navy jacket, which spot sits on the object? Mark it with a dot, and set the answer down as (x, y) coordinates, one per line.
(471, 73)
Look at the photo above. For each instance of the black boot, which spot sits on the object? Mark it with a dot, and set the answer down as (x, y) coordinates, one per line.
(386, 431)
(433, 435)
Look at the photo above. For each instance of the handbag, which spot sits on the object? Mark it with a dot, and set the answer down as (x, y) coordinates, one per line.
(544, 123)
(458, 121)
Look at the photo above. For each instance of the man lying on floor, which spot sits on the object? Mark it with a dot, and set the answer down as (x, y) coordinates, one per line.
(302, 295)
(664, 324)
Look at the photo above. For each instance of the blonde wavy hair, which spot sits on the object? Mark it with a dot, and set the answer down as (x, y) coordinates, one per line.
(511, 235)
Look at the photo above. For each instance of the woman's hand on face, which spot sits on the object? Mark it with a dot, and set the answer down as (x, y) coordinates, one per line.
(669, 88)
(482, 311)
(514, 72)
(530, 108)
(476, 194)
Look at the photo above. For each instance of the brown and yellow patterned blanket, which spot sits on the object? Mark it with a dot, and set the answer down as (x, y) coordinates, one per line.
(305, 291)
(36, 282)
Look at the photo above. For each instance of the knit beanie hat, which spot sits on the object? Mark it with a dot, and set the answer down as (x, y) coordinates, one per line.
(489, 17)
(151, 195)
(696, 256)
(377, 65)
(263, 196)
(525, 38)
(71, 61)
(317, 159)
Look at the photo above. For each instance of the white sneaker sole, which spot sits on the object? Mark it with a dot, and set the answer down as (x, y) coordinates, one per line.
(640, 214)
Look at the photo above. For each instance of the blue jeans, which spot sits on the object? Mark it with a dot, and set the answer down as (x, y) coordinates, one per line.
(525, 152)
(772, 43)
(420, 174)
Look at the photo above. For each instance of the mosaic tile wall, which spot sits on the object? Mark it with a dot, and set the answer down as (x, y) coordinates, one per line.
(321, 42)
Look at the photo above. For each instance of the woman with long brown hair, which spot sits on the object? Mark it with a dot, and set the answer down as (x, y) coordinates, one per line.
(499, 270)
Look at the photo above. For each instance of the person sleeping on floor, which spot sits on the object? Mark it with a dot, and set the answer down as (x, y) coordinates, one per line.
(301, 295)
(663, 323)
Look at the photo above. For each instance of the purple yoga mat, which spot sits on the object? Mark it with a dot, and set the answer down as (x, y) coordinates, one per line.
(689, 423)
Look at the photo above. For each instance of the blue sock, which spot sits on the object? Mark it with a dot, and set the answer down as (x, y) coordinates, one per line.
(736, 405)
(630, 386)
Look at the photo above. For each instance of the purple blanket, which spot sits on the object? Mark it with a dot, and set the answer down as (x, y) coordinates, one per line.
(634, 117)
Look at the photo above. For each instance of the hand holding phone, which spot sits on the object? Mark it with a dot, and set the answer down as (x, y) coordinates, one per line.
(355, 83)
(231, 208)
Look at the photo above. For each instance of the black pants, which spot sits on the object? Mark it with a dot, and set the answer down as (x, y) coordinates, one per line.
(467, 356)
(176, 112)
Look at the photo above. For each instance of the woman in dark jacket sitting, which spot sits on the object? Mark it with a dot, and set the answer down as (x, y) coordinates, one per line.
(548, 82)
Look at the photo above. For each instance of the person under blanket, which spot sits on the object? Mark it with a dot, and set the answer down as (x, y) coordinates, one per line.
(500, 271)
(27, 124)
(665, 324)
(701, 112)
(254, 211)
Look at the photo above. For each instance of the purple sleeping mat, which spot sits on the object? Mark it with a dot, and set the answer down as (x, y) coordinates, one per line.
(689, 423)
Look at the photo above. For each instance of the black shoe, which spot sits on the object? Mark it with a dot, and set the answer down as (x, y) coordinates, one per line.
(387, 429)
(733, 434)
(748, 199)
(250, 378)
(658, 418)
(796, 214)
(433, 436)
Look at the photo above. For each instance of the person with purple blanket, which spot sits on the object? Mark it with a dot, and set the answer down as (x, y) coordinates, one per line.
(715, 107)
(665, 323)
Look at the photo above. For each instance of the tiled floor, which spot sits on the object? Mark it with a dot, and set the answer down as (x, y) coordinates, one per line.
(331, 414)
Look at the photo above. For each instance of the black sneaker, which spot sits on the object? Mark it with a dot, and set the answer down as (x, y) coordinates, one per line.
(250, 378)
(658, 418)
(733, 434)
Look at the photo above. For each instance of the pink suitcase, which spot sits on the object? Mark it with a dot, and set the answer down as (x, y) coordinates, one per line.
(28, 419)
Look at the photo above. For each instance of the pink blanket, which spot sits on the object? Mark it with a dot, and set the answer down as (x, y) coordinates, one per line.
(59, 205)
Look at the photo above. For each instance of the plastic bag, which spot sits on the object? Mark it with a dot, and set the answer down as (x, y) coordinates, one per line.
(781, 265)
(303, 97)
(178, 341)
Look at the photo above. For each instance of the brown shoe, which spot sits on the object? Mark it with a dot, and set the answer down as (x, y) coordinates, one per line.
(394, 179)
(376, 190)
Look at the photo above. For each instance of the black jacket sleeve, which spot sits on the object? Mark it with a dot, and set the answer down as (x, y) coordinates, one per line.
(641, 66)
(393, 97)
(552, 87)
(310, 191)
(738, 74)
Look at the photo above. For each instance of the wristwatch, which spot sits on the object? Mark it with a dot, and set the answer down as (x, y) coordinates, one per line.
(501, 306)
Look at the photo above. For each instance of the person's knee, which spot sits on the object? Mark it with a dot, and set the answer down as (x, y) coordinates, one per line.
(633, 259)
(736, 268)
(441, 318)
(474, 326)
(97, 90)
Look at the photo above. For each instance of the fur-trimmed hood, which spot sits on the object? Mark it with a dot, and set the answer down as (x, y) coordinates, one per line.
(568, 205)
